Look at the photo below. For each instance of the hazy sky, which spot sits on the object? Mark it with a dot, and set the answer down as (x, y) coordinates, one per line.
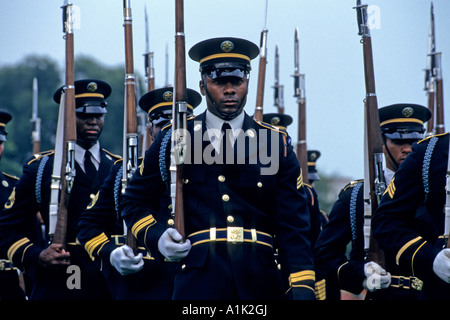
(330, 53)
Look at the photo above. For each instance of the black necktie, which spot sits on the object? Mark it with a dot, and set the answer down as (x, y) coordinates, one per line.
(225, 145)
(89, 167)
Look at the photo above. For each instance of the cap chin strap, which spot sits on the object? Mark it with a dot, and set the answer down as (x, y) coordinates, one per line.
(390, 155)
(222, 115)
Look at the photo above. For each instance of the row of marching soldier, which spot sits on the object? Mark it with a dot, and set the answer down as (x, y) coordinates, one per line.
(248, 232)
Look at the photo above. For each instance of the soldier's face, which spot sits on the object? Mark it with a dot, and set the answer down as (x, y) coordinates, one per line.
(229, 95)
(89, 128)
(399, 150)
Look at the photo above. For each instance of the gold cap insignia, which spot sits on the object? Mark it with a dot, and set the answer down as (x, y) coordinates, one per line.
(227, 46)
(92, 87)
(168, 96)
(275, 121)
(313, 156)
(407, 112)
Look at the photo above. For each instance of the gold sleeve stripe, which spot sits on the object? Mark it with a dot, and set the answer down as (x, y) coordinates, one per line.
(406, 246)
(300, 180)
(94, 243)
(320, 290)
(144, 222)
(390, 189)
(15, 246)
(302, 276)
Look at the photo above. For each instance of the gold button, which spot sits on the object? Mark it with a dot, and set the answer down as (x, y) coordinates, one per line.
(230, 218)
(92, 196)
(186, 181)
(226, 198)
(170, 222)
(259, 184)
(221, 178)
(183, 266)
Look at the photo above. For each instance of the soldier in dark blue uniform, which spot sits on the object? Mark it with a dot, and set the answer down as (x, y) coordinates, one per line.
(313, 155)
(48, 265)
(401, 125)
(10, 288)
(412, 238)
(232, 209)
(100, 229)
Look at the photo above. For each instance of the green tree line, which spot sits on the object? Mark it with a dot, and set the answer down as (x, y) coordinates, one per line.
(16, 97)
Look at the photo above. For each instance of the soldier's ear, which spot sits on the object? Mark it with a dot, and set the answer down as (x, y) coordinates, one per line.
(202, 88)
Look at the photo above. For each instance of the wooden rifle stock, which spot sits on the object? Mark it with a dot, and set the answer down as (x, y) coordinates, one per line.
(299, 93)
(373, 138)
(430, 103)
(179, 120)
(261, 77)
(130, 113)
(302, 150)
(440, 127)
(70, 133)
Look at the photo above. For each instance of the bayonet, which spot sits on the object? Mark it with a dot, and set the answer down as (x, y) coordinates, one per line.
(278, 88)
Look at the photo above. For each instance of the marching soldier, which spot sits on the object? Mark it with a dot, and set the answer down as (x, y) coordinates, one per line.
(313, 155)
(60, 273)
(401, 125)
(100, 230)
(233, 209)
(9, 278)
(409, 224)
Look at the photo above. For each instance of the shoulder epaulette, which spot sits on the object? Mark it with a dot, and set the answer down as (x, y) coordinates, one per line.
(436, 135)
(116, 156)
(41, 155)
(269, 126)
(10, 176)
(352, 183)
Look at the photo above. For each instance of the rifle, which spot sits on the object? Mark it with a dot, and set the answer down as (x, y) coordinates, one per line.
(375, 184)
(64, 159)
(430, 74)
(299, 93)
(150, 76)
(278, 92)
(35, 120)
(261, 73)
(440, 127)
(179, 124)
(130, 142)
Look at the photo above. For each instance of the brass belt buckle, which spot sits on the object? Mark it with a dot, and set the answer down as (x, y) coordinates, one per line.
(416, 283)
(235, 234)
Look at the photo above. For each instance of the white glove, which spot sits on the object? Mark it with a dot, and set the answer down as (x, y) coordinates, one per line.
(171, 247)
(124, 260)
(441, 265)
(376, 277)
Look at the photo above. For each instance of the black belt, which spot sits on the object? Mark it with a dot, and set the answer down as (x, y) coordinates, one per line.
(406, 282)
(231, 235)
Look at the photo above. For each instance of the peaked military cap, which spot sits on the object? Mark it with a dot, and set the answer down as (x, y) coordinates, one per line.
(313, 155)
(90, 95)
(5, 117)
(224, 57)
(279, 120)
(158, 103)
(403, 120)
